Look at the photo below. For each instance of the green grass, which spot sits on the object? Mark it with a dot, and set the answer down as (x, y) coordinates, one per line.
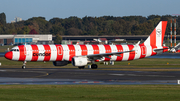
(95, 92)
(89, 92)
(4, 48)
(146, 63)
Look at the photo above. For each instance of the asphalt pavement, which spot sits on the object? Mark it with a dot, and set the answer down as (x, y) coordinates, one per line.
(85, 76)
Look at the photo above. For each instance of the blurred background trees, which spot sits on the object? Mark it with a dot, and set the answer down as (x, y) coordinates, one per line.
(105, 25)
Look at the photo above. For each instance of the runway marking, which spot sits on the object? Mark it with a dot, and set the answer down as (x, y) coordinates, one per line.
(2, 70)
(117, 74)
(87, 82)
(140, 75)
(42, 74)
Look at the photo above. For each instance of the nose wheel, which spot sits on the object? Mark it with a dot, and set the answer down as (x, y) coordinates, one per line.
(24, 65)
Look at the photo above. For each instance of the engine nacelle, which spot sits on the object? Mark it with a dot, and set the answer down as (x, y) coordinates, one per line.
(79, 61)
(60, 63)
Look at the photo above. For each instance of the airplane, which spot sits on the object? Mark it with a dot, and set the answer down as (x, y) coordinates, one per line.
(175, 49)
(81, 55)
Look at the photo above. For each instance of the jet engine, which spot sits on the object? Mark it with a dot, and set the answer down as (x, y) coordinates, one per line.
(60, 63)
(79, 61)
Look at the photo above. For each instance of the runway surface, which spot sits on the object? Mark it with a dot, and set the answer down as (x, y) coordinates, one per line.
(87, 76)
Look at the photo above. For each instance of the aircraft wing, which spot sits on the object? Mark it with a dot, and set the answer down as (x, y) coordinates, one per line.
(101, 55)
(106, 55)
(176, 48)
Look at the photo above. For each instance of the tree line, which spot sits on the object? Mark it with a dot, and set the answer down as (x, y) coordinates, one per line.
(105, 25)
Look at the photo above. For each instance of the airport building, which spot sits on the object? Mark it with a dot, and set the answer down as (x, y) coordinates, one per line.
(28, 39)
(17, 19)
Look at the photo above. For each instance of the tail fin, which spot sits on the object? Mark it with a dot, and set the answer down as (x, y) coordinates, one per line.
(157, 36)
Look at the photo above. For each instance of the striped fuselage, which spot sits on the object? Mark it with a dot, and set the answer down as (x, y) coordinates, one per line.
(67, 52)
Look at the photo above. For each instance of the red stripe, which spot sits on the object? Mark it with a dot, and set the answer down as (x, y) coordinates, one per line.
(152, 42)
(83, 49)
(47, 52)
(165, 50)
(131, 54)
(143, 50)
(35, 50)
(71, 52)
(153, 38)
(107, 50)
(120, 49)
(59, 52)
(95, 49)
(22, 52)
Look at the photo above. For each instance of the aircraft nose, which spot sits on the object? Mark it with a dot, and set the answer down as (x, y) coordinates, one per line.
(8, 55)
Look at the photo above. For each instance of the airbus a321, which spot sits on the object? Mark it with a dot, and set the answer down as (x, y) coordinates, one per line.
(81, 55)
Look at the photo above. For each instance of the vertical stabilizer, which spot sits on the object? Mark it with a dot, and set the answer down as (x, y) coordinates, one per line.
(157, 36)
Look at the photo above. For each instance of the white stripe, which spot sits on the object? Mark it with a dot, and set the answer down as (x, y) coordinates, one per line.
(41, 50)
(78, 50)
(159, 34)
(16, 54)
(29, 52)
(125, 55)
(148, 51)
(113, 49)
(65, 52)
(137, 52)
(102, 50)
(53, 52)
(90, 49)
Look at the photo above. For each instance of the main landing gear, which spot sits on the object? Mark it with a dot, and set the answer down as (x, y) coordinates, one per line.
(24, 65)
(94, 66)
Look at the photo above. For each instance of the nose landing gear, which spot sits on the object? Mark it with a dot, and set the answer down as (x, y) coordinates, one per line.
(24, 65)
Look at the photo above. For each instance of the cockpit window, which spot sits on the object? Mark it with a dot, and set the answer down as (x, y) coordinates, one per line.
(14, 50)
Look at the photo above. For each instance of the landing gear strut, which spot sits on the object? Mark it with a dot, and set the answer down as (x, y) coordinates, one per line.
(24, 65)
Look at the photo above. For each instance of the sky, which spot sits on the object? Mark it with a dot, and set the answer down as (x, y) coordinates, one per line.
(49, 9)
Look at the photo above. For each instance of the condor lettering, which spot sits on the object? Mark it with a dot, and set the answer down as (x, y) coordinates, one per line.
(41, 54)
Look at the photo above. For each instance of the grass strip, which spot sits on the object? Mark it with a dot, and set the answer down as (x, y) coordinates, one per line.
(89, 92)
(146, 64)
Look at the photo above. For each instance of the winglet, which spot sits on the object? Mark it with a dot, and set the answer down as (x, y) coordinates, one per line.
(137, 43)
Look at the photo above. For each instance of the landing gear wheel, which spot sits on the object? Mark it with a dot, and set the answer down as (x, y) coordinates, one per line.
(81, 67)
(23, 67)
(94, 66)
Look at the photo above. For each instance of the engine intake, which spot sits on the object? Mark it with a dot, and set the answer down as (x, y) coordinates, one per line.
(79, 61)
